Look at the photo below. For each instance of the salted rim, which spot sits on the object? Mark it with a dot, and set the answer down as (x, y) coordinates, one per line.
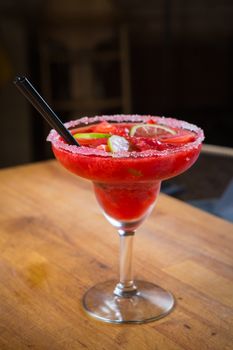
(54, 137)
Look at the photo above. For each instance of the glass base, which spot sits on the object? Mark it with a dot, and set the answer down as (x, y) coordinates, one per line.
(149, 303)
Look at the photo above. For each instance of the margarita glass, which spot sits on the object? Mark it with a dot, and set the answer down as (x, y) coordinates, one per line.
(126, 185)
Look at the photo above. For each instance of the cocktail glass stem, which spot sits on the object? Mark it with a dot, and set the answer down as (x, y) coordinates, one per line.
(126, 286)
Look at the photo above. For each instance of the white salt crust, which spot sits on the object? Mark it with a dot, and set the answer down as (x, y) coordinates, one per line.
(54, 137)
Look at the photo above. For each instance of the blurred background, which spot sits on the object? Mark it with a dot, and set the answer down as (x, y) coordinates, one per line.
(162, 57)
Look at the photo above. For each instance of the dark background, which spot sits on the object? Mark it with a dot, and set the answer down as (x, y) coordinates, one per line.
(172, 58)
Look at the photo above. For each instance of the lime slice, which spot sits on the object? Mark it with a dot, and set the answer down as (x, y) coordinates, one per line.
(150, 130)
(92, 135)
(118, 144)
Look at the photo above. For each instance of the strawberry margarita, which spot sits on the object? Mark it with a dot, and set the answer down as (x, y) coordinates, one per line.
(126, 158)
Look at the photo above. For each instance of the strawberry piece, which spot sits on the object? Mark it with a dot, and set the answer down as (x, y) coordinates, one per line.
(92, 142)
(146, 143)
(181, 138)
(104, 127)
(151, 121)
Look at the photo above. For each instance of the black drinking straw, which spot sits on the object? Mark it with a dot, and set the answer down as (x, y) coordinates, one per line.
(28, 90)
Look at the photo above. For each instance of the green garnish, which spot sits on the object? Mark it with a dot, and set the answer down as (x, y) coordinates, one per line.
(92, 135)
(150, 130)
(118, 144)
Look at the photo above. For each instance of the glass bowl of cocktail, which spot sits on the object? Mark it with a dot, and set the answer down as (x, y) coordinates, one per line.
(126, 157)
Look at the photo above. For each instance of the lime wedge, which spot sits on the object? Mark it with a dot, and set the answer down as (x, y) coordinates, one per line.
(92, 135)
(118, 144)
(150, 130)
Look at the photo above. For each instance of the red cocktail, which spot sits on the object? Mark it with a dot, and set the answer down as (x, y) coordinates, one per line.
(126, 158)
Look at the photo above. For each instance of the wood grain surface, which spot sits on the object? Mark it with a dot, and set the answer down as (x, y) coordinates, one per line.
(55, 243)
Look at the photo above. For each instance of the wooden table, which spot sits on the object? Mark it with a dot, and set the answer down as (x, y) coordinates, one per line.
(55, 243)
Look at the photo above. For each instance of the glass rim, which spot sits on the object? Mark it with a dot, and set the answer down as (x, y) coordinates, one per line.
(56, 141)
